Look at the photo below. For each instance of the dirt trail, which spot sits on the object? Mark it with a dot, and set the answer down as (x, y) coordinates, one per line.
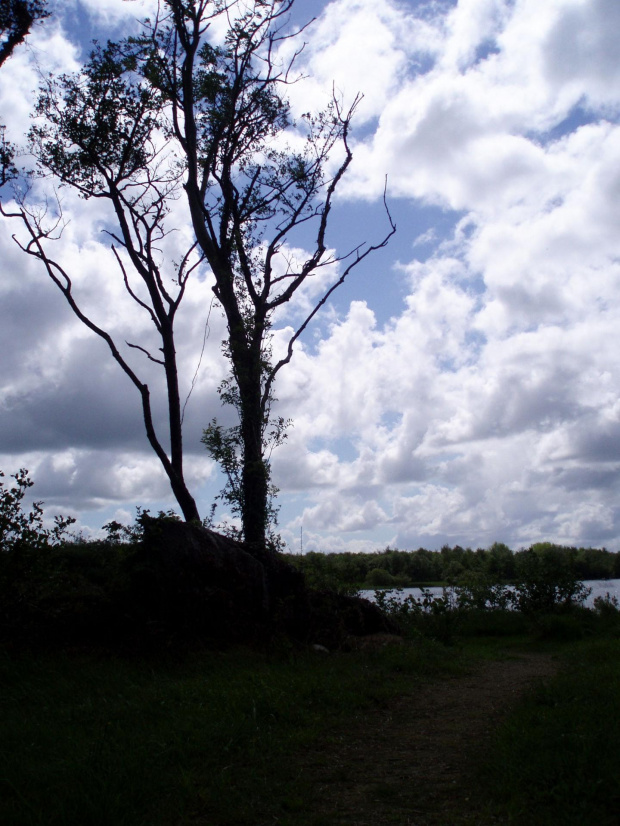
(415, 763)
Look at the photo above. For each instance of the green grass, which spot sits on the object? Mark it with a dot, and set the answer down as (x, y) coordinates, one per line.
(102, 740)
(212, 738)
(557, 759)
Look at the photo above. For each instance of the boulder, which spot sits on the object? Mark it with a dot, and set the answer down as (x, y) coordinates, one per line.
(335, 618)
(206, 585)
(193, 581)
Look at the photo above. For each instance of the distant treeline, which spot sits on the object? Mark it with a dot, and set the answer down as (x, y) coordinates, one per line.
(450, 565)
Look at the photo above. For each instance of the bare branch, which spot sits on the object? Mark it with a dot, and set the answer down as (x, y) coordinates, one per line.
(60, 277)
(146, 353)
(136, 298)
(358, 259)
(170, 113)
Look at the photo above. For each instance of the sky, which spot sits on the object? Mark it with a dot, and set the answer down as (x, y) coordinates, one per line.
(463, 386)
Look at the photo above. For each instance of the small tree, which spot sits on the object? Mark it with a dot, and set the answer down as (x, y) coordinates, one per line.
(170, 112)
(100, 136)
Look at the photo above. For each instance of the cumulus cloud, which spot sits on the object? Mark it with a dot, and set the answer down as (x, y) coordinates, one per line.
(501, 361)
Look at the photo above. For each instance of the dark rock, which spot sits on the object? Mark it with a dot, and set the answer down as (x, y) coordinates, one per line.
(334, 618)
(203, 584)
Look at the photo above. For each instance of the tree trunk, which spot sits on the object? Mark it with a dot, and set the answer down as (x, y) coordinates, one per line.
(254, 482)
(179, 487)
(177, 481)
(246, 359)
(185, 499)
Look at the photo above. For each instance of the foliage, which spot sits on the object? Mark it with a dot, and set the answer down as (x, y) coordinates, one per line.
(73, 593)
(546, 580)
(380, 578)
(607, 605)
(479, 571)
(19, 528)
(16, 20)
(549, 595)
(429, 615)
(118, 533)
(8, 170)
(225, 446)
(607, 610)
(320, 575)
(55, 590)
(479, 591)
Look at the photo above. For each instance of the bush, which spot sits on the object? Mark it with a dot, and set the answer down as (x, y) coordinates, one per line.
(72, 592)
(546, 582)
(561, 627)
(607, 606)
(478, 591)
(19, 529)
(436, 617)
(493, 623)
(608, 613)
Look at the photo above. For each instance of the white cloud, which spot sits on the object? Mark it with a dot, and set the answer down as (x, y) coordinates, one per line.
(108, 12)
(360, 47)
(501, 363)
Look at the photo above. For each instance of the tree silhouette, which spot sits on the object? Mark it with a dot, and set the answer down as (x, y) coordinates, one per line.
(173, 113)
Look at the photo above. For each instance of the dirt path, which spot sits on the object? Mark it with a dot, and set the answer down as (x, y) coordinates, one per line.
(415, 763)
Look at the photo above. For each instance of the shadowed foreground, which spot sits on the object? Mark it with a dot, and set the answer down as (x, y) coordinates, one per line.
(415, 762)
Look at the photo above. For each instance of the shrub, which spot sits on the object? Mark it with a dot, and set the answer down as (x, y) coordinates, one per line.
(607, 606)
(493, 623)
(607, 611)
(18, 528)
(546, 582)
(476, 590)
(430, 615)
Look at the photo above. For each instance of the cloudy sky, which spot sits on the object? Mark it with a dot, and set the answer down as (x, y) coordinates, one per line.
(464, 385)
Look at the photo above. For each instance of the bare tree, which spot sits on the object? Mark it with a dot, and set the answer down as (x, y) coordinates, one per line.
(223, 109)
(102, 136)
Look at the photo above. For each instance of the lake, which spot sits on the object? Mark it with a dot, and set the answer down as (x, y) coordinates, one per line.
(599, 587)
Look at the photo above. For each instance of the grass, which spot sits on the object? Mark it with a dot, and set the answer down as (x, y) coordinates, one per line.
(103, 740)
(212, 738)
(557, 758)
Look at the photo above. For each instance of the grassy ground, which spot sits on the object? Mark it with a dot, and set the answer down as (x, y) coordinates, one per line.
(557, 758)
(215, 738)
(103, 740)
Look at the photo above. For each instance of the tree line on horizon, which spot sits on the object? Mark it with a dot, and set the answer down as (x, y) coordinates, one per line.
(498, 563)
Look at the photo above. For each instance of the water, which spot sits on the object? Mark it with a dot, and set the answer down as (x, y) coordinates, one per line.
(599, 587)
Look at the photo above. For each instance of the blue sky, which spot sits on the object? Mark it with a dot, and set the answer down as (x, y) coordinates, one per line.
(464, 385)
